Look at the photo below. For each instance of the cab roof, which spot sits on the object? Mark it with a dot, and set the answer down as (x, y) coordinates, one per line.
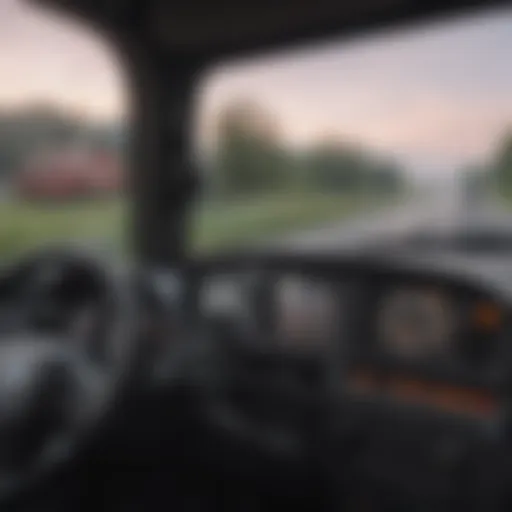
(220, 28)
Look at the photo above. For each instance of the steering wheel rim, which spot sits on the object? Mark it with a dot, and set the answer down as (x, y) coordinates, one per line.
(120, 336)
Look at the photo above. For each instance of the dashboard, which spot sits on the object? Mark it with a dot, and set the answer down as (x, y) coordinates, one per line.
(302, 331)
(308, 355)
(402, 337)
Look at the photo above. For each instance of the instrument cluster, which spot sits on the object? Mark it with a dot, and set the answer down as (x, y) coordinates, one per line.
(406, 321)
(408, 336)
(286, 311)
(439, 325)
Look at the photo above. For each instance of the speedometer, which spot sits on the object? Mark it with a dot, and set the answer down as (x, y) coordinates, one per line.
(417, 322)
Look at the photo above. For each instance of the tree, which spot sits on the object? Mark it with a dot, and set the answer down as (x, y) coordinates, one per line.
(502, 165)
(27, 130)
(36, 127)
(334, 166)
(250, 156)
(386, 177)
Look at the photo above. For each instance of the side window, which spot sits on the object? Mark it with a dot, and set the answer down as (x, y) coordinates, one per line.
(62, 134)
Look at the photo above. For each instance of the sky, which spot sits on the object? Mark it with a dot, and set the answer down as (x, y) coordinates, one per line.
(437, 97)
(47, 57)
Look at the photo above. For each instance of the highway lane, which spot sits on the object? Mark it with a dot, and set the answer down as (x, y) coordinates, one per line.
(387, 224)
(441, 212)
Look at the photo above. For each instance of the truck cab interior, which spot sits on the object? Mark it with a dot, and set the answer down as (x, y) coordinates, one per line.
(197, 386)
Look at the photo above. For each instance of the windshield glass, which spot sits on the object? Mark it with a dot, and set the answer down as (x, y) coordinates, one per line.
(61, 134)
(333, 143)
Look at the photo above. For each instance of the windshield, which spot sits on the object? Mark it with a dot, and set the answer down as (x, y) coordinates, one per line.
(343, 141)
(62, 134)
(322, 146)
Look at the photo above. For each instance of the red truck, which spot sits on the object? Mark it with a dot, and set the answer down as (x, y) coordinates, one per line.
(70, 175)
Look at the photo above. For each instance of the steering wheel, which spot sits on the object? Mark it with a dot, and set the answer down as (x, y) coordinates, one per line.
(53, 394)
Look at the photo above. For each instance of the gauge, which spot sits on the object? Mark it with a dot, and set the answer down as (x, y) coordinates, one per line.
(169, 286)
(224, 296)
(306, 312)
(165, 288)
(417, 322)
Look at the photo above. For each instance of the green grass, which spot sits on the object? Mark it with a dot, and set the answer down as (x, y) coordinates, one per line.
(502, 196)
(24, 225)
(242, 222)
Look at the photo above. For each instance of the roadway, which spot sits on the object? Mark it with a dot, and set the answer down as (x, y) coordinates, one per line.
(432, 212)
